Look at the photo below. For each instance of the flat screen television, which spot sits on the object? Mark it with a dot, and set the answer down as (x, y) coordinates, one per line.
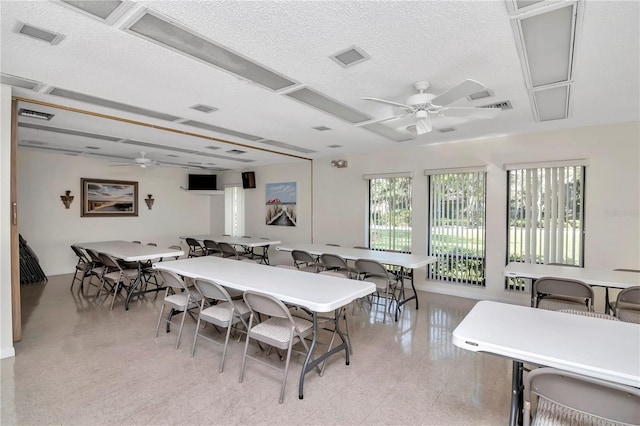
(202, 183)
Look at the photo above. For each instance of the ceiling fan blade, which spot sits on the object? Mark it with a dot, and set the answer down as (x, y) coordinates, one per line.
(471, 113)
(423, 125)
(382, 101)
(382, 120)
(466, 88)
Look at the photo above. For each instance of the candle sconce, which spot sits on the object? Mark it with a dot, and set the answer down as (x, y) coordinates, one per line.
(67, 199)
(149, 200)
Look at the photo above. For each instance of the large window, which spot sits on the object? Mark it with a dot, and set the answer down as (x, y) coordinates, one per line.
(390, 212)
(457, 225)
(234, 211)
(546, 216)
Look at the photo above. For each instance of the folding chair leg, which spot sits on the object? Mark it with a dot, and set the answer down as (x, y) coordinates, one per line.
(159, 320)
(184, 314)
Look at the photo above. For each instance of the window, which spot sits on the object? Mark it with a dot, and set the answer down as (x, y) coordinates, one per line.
(234, 211)
(390, 212)
(546, 216)
(457, 225)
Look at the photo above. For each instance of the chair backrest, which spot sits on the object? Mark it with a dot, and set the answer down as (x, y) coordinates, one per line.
(629, 296)
(211, 246)
(227, 249)
(333, 261)
(193, 243)
(371, 268)
(266, 304)
(212, 290)
(94, 256)
(286, 267)
(606, 400)
(563, 287)
(81, 256)
(109, 261)
(172, 280)
(301, 256)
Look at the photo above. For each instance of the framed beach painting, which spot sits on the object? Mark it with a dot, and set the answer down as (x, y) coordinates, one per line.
(281, 203)
(105, 197)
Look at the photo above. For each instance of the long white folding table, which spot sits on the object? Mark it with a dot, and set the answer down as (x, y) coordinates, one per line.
(594, 277)
(247, 242)
(131, 252)
(593, 347)
(405, 261)
(317, 293)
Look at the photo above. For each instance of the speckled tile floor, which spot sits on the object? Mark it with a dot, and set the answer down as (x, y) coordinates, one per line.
(81, 364)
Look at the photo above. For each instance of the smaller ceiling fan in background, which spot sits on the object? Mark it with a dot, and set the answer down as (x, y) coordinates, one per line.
(425, 106)
(141, 161)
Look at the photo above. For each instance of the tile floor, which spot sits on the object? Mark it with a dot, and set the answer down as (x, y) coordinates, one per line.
(81, 364)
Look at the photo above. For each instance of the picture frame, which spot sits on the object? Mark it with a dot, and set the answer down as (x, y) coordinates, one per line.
(108, 198)
(281, 204)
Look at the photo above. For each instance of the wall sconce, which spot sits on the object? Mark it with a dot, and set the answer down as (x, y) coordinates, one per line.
(340, 163)
(67, 198)
(149, 200)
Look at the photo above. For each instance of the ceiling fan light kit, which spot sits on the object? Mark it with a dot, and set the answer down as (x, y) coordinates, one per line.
(424, 106)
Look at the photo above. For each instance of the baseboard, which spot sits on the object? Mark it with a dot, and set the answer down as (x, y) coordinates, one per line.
(7, 353)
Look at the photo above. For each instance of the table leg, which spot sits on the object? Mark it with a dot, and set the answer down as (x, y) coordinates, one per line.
(515, 416)
(308, 363)
(606, 301)
(405, 300)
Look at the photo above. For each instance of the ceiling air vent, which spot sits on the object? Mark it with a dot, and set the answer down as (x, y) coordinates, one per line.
(349, 57)
(204, 108)
(14, 81)
(322, 128)
(236, 151)
(446, 130)
(317, 100)
(480, 95)
(39, 33)
(501, 105)
(335, 146)
(34, 114)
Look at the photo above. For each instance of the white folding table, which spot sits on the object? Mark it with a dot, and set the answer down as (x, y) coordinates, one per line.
(594, 277)
(317, 293)
(247, 242)
(131, 252)
(593, 347)
(406, 261)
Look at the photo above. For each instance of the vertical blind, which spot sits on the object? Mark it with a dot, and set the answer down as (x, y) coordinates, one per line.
(457, 226)
(234, 211)
(546, 215)
(390, 213)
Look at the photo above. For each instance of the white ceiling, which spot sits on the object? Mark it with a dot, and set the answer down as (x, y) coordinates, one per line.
(444, 42)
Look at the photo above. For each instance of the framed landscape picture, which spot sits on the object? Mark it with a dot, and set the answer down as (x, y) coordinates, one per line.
(281, 203)
(105, 197)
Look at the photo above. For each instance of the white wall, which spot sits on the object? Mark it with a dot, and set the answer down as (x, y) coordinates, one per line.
(612, 199)
(50, 229)
(6, 324)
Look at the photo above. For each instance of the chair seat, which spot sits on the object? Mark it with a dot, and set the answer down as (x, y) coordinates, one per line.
(557, 304)
(132, 274)
(629, 315)
(277, 331)
(549, 413)
(221, 313)
(179, 301)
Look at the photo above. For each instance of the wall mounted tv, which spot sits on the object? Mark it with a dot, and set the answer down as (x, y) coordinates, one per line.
(202, 183)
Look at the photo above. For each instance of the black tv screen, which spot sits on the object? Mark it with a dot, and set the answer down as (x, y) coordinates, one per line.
(202, 182)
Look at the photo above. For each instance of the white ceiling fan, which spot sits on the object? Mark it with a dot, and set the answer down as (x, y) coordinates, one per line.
(424, 106)
(141, 161)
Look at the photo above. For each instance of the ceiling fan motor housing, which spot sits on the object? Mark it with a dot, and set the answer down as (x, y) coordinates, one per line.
(420, 99)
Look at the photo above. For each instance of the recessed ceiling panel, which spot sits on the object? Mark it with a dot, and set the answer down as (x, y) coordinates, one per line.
(168, 34)
(548, 41)
(82, 97)
(18, 82)
(552, 103)
(101, 9)
(287, 146)
(387, 132)
(218, 129)
(328, 105)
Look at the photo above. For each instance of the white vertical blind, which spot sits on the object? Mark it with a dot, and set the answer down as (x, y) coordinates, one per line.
(546, 218)
(234, 211)
(457, 225)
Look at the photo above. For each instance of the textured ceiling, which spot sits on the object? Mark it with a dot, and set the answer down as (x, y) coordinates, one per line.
(444, 42)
